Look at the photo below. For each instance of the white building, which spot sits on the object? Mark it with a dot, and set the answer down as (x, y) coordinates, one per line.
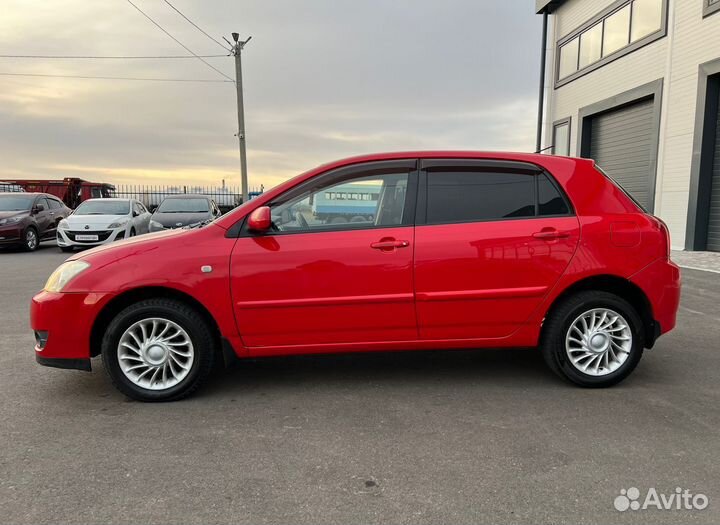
(635, 84)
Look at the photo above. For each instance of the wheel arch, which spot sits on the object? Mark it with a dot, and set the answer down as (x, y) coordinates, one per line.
(125, 299)
(621, 287)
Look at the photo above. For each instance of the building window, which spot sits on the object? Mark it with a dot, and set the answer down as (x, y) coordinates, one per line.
(561, 138)
(616, 33)
(710, 7)
(620, 29)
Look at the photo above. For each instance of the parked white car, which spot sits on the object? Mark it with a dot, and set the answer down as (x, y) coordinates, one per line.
(101, 221)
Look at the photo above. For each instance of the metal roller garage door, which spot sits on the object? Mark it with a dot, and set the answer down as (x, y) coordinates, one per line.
(621, 142)
(713, 238)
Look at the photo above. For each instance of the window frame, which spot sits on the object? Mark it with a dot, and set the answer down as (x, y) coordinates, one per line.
(710, 8)
(341, 174)
(525, 168)
(562, 122)
(604, 60)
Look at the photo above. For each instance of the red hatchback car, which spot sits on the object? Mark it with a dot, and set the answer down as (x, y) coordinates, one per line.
(401, 251)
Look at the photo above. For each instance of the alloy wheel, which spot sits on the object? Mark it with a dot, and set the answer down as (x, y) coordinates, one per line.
(155, 353)
(598, 342)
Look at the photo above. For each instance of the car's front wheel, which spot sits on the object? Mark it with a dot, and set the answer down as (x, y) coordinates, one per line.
(593, 338)
(158, 350)
(32, 240)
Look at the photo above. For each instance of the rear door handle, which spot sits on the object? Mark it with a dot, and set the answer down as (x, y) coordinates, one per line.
(551, 234)
(389, 244)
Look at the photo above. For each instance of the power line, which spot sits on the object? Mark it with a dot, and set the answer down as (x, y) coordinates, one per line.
(118, 57)
(146, 79)
(186, 48)
(195, 25)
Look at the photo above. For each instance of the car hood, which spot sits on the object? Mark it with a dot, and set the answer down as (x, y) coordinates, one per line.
(8, 214)
(176, 220)
(141, 241)
(93, 222)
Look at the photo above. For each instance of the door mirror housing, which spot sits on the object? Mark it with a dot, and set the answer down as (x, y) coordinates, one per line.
(38, 208)
(260, 220)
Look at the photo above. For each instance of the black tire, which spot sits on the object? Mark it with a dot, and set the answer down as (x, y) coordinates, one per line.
(28, 244)
(66, 249)
(559, 321)
(132, 232)
(178, 312)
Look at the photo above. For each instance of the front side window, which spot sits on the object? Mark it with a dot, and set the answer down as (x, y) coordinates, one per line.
(359, 202)
(470, 195)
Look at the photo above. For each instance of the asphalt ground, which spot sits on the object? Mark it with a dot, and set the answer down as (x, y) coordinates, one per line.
(487, 436)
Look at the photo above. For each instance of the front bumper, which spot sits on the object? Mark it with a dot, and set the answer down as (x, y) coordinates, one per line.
(64, 322)
(67, 237)
(11, 234)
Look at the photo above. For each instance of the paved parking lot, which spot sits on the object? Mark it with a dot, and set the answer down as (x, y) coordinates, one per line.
(456, 437)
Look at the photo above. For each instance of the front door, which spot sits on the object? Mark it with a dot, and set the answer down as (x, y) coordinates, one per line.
(337, 267)
(491, 241)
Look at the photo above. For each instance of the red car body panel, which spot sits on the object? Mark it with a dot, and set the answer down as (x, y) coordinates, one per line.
(452, 286)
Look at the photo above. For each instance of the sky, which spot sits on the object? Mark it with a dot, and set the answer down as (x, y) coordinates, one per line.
(323, 80)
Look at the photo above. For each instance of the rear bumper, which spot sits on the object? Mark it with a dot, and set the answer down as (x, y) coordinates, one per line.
(65, 321)
(661, 283)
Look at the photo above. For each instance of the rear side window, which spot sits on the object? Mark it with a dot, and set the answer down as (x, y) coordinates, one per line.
(550, 201)
(473, 196)
(55, 204)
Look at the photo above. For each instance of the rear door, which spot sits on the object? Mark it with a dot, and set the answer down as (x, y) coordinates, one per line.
(492, 238)
(345, 277)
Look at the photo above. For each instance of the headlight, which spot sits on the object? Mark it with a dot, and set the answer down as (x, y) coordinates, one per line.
(118, 224)
(64, 274)
(12, 220)
(63, 225)
(156, 224)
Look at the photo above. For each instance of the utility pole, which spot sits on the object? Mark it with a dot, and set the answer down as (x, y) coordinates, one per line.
(237, 51)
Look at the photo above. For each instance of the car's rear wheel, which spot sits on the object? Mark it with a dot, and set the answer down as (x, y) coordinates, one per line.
(158, 350)
(593, 338)
(31, 240)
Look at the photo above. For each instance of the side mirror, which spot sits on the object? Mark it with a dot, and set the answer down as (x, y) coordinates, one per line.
(38, 208)
(260, 220)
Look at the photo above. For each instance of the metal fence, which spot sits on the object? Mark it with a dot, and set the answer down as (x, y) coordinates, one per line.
(10, 187)
(226, 197)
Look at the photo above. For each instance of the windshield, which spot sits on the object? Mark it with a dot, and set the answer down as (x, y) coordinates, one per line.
(103, 207)
(184, 206)
(16, 202)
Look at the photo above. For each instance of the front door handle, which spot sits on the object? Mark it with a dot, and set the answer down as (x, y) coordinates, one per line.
(550, 234)
(389, 244)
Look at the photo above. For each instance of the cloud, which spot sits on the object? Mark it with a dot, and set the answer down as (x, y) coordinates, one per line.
(323, 79)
